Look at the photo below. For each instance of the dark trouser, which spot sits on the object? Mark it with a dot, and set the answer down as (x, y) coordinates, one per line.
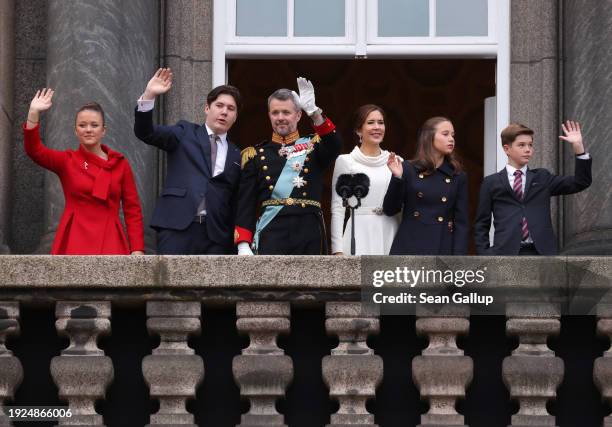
(528, 250)
(293, 235)
(193, 240)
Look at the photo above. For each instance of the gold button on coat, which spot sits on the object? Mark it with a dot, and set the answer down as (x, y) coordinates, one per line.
(263, 157)
(261, 150)
(447, 180)
(305, 170)
(440, 219)
(444, 199)
(416, 213)
(304, 194)
(420, 194)
(268, 178)
(421, 176)
(271, 187)
(265, 168)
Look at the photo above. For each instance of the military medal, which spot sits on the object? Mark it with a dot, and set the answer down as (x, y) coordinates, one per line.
(296, 166)
(299, 182)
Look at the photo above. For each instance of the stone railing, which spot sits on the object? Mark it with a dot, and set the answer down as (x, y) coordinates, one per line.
(262, 291)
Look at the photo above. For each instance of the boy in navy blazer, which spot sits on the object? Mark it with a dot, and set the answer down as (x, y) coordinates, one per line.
(519, 198)
(195, 212)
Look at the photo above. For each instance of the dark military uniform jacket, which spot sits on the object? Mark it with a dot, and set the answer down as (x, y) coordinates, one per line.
(435, 211)
(261, 168)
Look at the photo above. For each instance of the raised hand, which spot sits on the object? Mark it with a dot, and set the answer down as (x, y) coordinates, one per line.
(160, 83)
(307, 96)
(573, 135)
(42, 100)
(395, 165)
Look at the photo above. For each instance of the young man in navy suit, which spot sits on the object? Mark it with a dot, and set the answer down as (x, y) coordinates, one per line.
(195, 212)
(519, 198)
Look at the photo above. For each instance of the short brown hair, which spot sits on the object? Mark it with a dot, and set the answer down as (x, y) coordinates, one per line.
(91, 106)
(225, 90)
(512, 131)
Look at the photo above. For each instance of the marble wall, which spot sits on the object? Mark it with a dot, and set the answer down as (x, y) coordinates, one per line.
(587, 97)
(103, 52)
(7, 62)
(26, 222)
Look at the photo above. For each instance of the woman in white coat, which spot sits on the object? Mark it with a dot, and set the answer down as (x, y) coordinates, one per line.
(374, 231)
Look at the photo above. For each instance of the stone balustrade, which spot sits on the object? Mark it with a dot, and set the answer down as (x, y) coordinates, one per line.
(263, 291)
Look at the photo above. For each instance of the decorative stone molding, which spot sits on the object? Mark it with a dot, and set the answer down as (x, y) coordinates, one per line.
(602, 368)
(82, 372)
(442, 373)
(173, 371)
(532, 373)
(352, 371)
(263, 371)
(11, 371)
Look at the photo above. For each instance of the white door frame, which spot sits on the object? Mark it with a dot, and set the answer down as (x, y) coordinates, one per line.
(361, 41)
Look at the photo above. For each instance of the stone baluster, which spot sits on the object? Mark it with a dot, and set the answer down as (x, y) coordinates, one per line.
(173, 371)
(532, 373)
(82, 372)
(442, 373)
(11, 372)
(352, 371)
(602, 369)
(263, 371)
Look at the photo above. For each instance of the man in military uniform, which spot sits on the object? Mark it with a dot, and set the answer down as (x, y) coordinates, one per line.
(282, 178)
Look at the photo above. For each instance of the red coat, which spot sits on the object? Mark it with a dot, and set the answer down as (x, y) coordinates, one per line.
(93, 188)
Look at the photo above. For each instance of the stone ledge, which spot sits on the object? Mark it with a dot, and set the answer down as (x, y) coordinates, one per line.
(287, 273)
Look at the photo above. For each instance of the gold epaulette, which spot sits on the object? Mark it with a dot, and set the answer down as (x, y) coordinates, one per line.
(316, 138)
(247, 154)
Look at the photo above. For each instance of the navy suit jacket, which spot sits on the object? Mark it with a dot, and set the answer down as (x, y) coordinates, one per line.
(189, 178)
(497, 197)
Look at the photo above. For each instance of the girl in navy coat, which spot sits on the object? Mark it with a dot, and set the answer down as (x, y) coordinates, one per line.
(432, 191)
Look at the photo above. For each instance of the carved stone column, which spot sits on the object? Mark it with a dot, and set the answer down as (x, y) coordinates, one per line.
(263, 372)
(352, 371)
(104, 52)
(82, 373)
(532, 373)
(586, 70)
(173, 371)
(602, 369)
(442, 373)
(11, 371)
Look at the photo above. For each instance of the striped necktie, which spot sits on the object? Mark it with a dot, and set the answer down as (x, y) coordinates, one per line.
(214, 139)
(518, 190)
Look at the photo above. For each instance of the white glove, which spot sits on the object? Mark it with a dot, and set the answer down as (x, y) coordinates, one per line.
(307, 96)
(244, 249)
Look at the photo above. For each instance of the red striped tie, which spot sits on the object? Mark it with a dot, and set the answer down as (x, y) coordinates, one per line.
(518, 190)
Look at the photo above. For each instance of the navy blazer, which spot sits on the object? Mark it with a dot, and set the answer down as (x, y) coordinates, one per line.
(435, 211)
(189, 178)
(497, 197)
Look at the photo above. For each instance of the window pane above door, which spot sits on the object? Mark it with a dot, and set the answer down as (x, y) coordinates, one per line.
(319, 18)
(461, 18)
(258, 18)
(403, 18)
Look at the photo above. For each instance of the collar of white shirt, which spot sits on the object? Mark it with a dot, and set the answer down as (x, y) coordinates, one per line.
(223, 136)
(511, 169)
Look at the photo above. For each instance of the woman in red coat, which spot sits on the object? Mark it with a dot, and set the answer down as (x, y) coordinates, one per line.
(95, 180)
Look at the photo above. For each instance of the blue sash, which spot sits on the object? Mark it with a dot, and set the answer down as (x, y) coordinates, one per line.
(282, 190)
